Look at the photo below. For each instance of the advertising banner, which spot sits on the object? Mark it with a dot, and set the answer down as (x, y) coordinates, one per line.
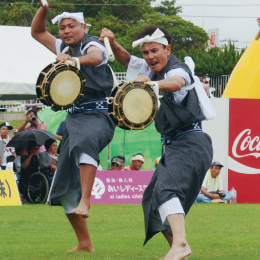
(9, 195)
(244, 149)
(120, 187)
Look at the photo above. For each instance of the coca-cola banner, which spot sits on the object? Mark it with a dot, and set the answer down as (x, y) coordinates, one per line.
(120, 187)
(244, 149)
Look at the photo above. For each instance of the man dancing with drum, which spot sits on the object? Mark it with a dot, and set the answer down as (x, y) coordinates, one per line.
(178, 177)
(88, 128)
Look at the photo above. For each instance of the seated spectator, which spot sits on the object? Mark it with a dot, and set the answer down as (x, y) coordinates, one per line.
(30, 165)
(32, 119)
(116, 164)
(212, 187)
(157, 160)
(17, 161)
(49, 158)
(4, 137)
(137, 162)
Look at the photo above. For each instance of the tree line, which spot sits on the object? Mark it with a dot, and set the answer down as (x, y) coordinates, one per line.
(125, 18)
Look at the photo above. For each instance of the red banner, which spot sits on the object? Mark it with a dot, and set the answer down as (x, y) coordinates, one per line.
(244, 149)
(120, 187)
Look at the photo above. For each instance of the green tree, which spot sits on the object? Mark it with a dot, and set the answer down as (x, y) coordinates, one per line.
(126, 20)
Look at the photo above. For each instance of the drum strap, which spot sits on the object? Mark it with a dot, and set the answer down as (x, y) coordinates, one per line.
(93, 104)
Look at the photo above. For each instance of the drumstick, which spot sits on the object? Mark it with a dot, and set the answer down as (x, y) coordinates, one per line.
(44, 3)
(109, 50)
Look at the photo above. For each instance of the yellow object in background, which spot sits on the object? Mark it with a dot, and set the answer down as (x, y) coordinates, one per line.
(244, 81)
(9, 195)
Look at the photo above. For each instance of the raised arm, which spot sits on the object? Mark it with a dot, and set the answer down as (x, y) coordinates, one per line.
(121, 55)
(39, 29)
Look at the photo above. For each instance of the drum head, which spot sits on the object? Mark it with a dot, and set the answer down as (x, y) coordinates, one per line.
(60, 85)
(137, 106)
(132, 105)
(65, 88)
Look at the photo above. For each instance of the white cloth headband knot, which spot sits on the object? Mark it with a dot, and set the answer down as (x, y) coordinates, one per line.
(76, 16)
(157, 36)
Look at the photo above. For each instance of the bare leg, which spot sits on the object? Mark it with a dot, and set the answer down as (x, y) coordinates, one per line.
(180, 248)
(168, 237)
(87, 178)
(80, 227)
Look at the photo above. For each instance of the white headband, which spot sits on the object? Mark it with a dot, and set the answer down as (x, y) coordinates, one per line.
(76, 16)
(137, 157)
(157, 36)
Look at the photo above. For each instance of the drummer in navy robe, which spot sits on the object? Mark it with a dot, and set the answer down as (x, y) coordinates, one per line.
(88, 128)
(188, 153)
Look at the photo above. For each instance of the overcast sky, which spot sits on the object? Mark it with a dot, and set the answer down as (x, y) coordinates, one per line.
(236, 19)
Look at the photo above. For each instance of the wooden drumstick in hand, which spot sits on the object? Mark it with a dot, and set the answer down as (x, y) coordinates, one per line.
(44, 3)
(109, 50)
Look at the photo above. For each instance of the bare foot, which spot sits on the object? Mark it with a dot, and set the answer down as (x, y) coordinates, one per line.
(82, 249)
(82, 209)
(178, 251)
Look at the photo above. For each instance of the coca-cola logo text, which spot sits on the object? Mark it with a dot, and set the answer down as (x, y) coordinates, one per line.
(244, 142)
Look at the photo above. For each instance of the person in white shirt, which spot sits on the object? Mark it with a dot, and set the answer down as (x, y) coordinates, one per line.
(4, 137)
(212, 186)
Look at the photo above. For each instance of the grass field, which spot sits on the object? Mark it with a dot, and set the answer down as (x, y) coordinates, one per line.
(214, 231)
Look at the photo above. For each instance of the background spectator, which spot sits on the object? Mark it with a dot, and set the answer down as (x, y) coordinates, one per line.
(137, 162)
(17, 161)
(205, 85)
(32, 119)
(156, 162)
(59, 131)
(30, 165)
(116, 164)
(212, 186)
(123, 160)
(49, 158)
(4, 137)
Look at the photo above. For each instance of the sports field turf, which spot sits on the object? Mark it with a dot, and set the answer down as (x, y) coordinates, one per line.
(214, 231)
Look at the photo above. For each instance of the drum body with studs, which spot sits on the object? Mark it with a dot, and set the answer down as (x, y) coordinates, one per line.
(60, 85)
(132, 105)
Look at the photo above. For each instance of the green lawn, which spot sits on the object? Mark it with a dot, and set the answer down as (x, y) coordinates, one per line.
(214, 231)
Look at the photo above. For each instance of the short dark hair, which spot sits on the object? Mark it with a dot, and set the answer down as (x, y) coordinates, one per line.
(32, 111)
(149, 30)
(138, 154)
(10, 158)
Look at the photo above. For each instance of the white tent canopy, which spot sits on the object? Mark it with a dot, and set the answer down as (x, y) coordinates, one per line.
(22, 60)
